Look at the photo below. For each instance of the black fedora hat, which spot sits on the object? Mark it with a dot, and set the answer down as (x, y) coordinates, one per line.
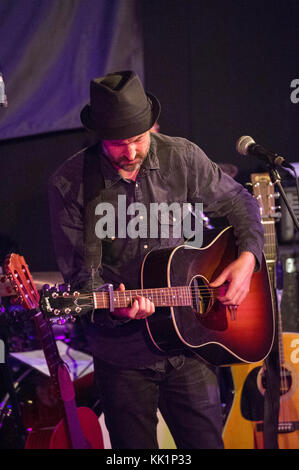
(119, 107)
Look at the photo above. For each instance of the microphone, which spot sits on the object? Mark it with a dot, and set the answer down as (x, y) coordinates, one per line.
(3, 98)
(246, 146)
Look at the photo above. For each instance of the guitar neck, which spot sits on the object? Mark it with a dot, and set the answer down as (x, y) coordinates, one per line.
(264, 193)
(161, 297)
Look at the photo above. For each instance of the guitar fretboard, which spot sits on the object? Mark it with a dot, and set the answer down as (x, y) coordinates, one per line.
(169, 296)
(264, 192)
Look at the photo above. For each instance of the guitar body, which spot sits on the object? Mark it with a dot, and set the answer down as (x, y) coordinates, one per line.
(209, 329)
(90, 427)
(244, 426)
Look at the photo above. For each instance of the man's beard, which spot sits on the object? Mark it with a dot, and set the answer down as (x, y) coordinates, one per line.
(127, 165)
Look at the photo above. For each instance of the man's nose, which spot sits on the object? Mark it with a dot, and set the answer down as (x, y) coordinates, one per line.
(130, 152)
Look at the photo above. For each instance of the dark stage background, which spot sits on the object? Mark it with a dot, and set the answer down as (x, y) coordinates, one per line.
(221, 69)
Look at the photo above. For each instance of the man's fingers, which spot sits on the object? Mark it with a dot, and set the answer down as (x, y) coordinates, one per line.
(146, 307)
(141, 307)
(219, 280)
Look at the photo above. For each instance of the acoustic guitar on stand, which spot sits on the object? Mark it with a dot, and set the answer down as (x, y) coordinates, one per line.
(78, 428)
(244, 426)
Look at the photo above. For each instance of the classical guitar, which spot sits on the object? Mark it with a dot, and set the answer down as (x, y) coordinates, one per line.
(78, 428)
(188, 314)
(244, 426)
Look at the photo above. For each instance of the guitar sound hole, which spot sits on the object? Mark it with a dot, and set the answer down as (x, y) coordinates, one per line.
(202, 297)
(286, 381)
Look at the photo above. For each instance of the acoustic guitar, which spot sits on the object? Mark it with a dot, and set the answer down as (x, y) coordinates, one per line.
(244, 426)
(188, 314)
(77, 428)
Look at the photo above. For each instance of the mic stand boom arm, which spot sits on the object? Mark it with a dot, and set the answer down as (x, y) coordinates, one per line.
(276, 179)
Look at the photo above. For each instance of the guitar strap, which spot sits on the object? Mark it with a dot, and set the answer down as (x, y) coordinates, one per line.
(93, 183)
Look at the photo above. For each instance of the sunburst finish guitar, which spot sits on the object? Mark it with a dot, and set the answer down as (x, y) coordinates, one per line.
(188, 314)
(244, 426)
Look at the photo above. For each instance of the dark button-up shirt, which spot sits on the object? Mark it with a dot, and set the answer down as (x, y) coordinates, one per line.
(175, 170)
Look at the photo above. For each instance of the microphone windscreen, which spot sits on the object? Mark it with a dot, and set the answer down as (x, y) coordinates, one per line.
(243, 144)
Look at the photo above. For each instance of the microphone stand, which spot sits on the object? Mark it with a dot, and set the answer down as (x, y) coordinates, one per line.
(276, 179)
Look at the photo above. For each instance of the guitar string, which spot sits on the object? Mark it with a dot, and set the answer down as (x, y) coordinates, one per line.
(270, 243)
(187, 297)
(191, 293)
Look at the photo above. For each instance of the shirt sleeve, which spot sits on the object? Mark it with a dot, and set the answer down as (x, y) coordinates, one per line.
(222, 196)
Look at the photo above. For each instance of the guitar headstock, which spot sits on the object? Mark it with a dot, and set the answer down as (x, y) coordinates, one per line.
(59, 305)
(263, 191)
(16, 269)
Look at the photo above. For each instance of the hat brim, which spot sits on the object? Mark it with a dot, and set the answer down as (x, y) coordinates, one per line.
(127, 131)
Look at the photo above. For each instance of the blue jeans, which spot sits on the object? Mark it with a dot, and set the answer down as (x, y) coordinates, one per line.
(187, 396)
